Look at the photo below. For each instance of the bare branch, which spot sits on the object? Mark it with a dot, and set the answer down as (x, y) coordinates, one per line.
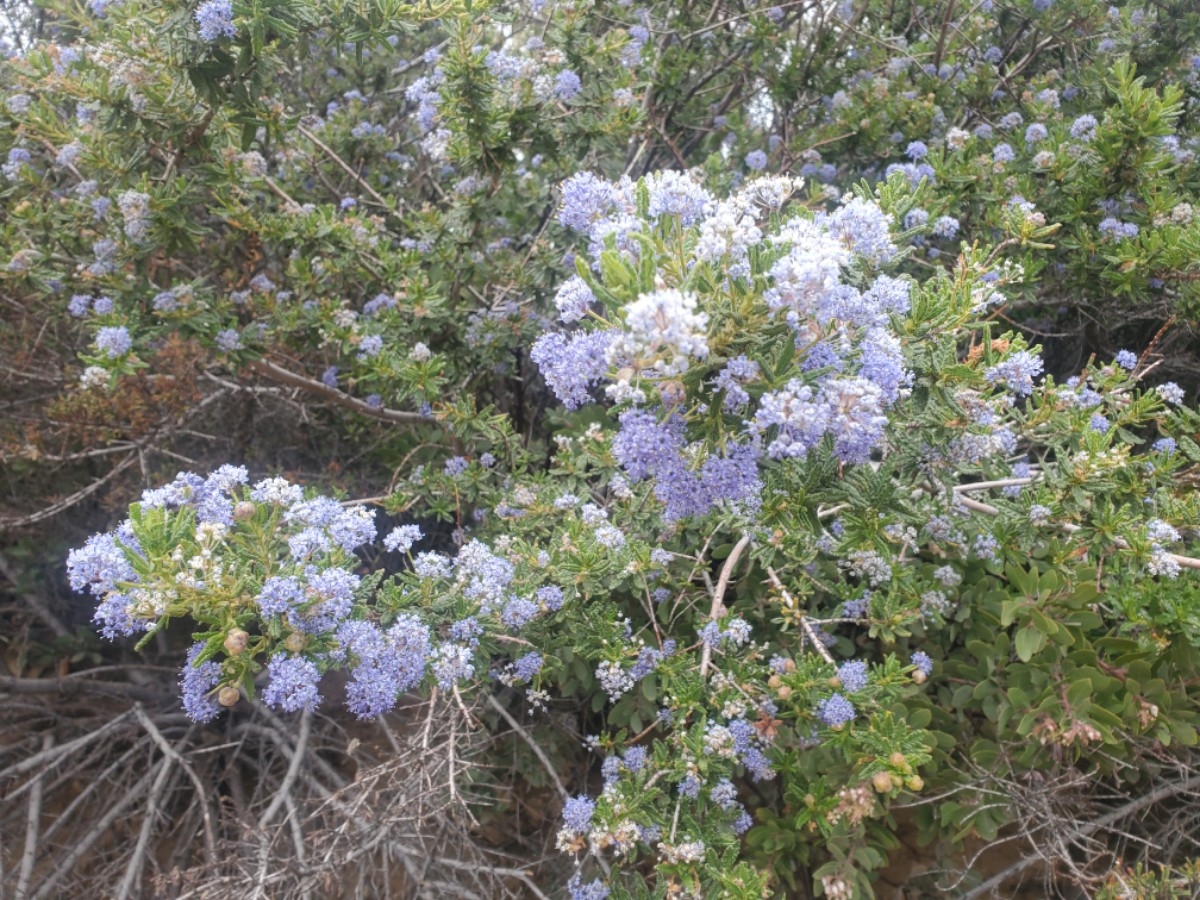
(210, 842)
(809, 631)
(718, 609)
(277, 373)
(533, 745)
(33, 823)
(67, 502)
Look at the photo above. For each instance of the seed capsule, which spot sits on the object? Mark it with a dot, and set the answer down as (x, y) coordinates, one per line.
(235, 641)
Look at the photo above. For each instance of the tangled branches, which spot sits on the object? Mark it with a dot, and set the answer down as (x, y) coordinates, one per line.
(133, 801)
(1071, 830)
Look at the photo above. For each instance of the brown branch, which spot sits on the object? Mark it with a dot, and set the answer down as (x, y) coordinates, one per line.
(32, 827)
(100, 829)
(285, 376)
(349, 169)
(210, 841)
(133, 871)
(292, 771)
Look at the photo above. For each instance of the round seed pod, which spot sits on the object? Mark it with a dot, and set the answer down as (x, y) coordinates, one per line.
(235, 641)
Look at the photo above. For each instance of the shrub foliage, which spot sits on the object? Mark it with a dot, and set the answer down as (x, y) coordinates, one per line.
(799, 395)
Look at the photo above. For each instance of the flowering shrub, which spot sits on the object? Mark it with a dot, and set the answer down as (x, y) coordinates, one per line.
(702, 347)
(767, 378)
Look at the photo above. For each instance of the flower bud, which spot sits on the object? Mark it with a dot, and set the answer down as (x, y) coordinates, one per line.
(294, 642)
(915, 783)
(784, 692)
(228, 695)
(919, 677)
(883, 782)
(235, 641)
(774, 681)
(243, 511)
(898, 761)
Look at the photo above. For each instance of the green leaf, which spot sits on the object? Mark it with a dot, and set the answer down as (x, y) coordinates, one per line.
(1079, 693)
(1028, 642)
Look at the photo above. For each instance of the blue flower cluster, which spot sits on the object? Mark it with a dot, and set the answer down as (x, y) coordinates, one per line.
(308, 599)
(842, 332)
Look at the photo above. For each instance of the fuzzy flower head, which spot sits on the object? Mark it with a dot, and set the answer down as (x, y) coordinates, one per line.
(197, 684)
(215, 20)
(916, 150)
(586, 199)
(577, 814)
(572, 364)
(1171, 393)
(1127, 360)
(293, 683)
(567, 84)
(573, 299)
(114, 341)
(836, 711)
(1084, 128)
(923, 662)
(678, 194)
(1017, 372)
(853, 675)
(401, 539)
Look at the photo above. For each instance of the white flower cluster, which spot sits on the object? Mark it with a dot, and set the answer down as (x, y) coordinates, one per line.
(662, 330)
